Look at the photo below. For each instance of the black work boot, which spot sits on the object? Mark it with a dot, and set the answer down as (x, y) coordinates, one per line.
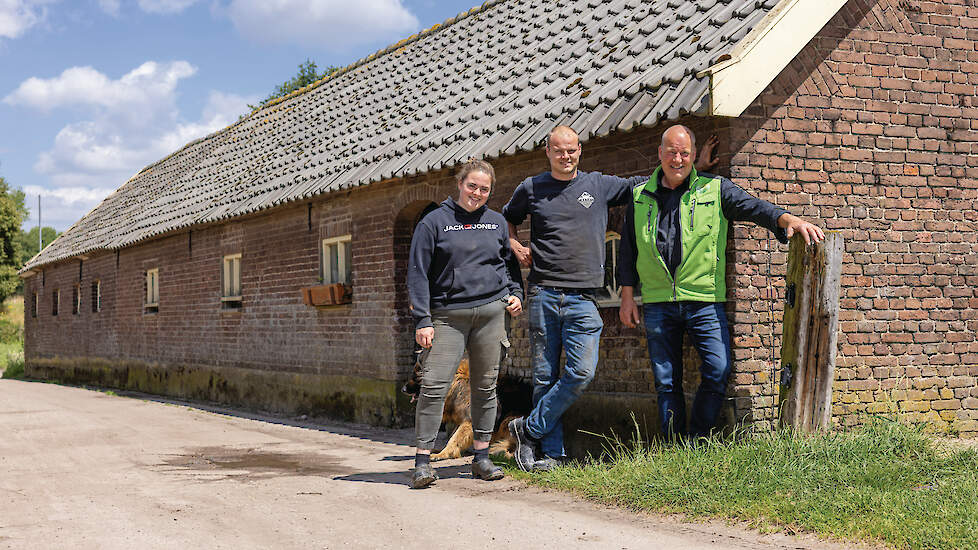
(424, 475)
(525, 454)
(483, 468)
(545, 464)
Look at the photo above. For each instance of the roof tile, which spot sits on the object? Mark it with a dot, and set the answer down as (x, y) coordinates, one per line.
(489, 82)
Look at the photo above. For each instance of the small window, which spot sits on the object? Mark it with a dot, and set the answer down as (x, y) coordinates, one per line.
(337, 260)
(55, 298)
(96, 296)
(76, 299)
(231, 280)
(610, 293)
(34, 305)
(152, 290)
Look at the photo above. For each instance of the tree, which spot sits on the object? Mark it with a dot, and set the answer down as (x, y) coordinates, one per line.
(28, 242)
(12, 214)
(308, 73)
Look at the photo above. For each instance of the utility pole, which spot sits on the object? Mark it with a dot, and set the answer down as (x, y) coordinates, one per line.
(40, 240)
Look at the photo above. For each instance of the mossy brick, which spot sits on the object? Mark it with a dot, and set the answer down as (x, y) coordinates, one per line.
(870, 384)
(920, 406)
(968, 428)
(962, 382)
(945, 404)
(881, 407)
(376, 402)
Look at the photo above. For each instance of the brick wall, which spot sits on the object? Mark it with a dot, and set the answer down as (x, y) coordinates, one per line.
(272, 330)
(873, 130)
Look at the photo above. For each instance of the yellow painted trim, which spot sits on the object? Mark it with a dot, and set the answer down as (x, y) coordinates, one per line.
(757, 59)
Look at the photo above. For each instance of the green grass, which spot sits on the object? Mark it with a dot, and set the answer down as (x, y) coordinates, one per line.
(883, 482)
(12, 338)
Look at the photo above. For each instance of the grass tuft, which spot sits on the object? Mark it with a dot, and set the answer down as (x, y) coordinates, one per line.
(13, 369)
(881, 482)
(12, 337)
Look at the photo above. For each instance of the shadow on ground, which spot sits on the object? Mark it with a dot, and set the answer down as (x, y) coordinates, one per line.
(404, 436)
(403, 477)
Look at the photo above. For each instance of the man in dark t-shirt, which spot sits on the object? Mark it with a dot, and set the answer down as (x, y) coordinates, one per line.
(568, 211)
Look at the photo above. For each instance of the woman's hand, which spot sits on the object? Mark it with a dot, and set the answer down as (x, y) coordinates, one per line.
(424, 336)
(515, 306)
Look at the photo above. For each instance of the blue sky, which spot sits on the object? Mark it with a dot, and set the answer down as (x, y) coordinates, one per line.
(91, 91)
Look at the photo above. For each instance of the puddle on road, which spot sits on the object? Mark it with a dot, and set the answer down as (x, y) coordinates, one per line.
(234, 463)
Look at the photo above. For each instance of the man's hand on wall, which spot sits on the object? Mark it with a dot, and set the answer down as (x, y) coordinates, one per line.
(707, 158)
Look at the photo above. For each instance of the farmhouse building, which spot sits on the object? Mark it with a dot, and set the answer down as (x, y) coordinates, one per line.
(207, 275)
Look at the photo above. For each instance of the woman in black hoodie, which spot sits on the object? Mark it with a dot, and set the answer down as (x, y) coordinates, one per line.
(462, 280)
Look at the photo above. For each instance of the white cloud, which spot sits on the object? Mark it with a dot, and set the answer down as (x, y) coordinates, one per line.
(111, 7)
(160, 7)
(88, 148)
(69, 194)
(165, 6)
(109, 150)
(144, 86)
(16, 16)
(220, 111)
(62, 206)
(330, 23)
(127, 124)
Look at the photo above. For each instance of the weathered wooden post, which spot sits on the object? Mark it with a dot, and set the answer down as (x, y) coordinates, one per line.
(811, 321)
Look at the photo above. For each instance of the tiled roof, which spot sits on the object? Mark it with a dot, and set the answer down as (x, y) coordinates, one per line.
(490, 82)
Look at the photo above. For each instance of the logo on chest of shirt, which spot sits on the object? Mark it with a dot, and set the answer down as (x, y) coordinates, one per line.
(472, 226)
(586, 199)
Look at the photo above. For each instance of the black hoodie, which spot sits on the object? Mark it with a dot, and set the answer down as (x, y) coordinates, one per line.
(460, 259)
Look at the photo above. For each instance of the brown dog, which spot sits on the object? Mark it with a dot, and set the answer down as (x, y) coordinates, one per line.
(513, 400)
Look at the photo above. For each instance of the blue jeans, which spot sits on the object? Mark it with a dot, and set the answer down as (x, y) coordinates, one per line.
(706, 324)
(560, 319)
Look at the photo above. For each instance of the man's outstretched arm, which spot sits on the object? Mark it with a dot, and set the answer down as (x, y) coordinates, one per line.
(739, 205)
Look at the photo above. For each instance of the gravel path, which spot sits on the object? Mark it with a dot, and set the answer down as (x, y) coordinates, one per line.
(82, 469)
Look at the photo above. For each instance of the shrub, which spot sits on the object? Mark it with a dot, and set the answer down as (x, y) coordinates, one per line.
(10, 332)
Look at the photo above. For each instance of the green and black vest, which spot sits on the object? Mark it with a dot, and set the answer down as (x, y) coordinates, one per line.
(701, 272)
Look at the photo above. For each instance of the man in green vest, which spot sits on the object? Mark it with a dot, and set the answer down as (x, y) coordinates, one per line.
(673, 242)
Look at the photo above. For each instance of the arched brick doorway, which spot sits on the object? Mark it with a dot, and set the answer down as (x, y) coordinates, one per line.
(404, 225)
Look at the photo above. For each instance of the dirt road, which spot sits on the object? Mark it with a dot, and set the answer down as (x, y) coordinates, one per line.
(81, 469)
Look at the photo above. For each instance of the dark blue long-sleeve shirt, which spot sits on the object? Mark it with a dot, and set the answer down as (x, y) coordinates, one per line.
(460, 259)
(737, 205)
